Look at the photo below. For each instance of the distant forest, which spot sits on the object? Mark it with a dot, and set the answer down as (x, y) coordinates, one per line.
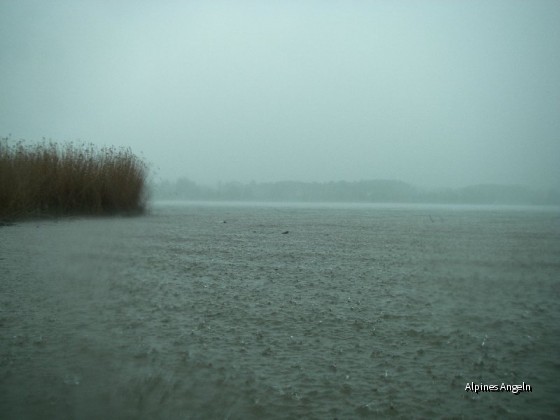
(373, 191)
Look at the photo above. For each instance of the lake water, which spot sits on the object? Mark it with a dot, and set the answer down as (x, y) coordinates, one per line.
(213, 311)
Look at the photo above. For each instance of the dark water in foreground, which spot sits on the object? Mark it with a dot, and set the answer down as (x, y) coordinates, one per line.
(357, 312)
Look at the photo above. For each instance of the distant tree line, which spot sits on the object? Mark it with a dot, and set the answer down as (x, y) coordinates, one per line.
(372, 191)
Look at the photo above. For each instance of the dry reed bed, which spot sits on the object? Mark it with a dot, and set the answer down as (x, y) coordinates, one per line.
(51, 179)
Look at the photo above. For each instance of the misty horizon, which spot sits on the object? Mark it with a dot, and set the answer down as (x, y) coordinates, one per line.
(364, 191)
(436, 94)
(155, 179)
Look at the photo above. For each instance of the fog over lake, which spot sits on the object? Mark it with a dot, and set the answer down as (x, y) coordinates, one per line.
(352, 209)
(433, 93)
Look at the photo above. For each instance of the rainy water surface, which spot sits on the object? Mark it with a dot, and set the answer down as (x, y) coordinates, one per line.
(282, 311)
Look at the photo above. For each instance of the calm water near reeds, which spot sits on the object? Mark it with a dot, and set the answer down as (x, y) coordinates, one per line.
(211, 311)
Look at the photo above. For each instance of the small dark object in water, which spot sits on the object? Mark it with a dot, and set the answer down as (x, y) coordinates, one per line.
(285, 232)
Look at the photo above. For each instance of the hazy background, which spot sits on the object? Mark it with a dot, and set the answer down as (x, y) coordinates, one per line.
(435, 93)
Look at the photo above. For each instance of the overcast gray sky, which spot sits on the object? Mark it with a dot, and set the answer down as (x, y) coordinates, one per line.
(435, 93)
